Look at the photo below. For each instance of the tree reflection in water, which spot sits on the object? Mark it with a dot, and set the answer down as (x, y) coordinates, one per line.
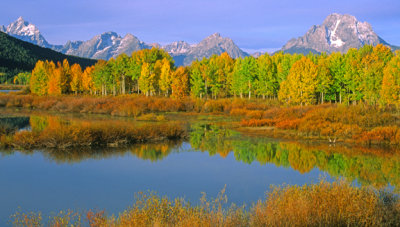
(376, 167)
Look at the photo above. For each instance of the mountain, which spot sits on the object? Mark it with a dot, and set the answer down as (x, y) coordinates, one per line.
(177, 48)
(338, 33)
(104, 46)
(17, 56)
(257, 54)
(213, 44)
(26, 31)
(110, 44)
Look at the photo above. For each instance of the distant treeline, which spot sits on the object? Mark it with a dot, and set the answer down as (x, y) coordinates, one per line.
(369, 74)
(18, 56)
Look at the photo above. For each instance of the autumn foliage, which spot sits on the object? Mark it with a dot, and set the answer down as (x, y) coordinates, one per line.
(368, 75)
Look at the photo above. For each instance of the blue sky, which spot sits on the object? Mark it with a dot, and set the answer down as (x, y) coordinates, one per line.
(252, 24)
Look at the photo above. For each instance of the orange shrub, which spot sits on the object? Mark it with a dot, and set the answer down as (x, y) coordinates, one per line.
(381, 135)
(238, 112)
(257, 122)
(254, 114)
(288, 124)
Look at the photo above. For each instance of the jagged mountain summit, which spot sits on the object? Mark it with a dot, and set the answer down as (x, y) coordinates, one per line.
(25, 31)
(177, 48)
(338, 33)
(104, 46)
(213, 44)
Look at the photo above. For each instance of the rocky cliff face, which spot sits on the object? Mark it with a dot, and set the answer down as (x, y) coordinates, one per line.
(338, 33)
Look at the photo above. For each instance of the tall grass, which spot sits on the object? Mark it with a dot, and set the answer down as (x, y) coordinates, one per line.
(323, 204)
(362, 124)
(53, 132)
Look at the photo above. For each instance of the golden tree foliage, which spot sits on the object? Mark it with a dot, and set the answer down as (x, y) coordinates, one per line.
(165, 77)
(40, 77)
(76, 78)
(180, 83)
(300, 85)
(87, 79)
(55, 87)
(391, 82)
(146, 80)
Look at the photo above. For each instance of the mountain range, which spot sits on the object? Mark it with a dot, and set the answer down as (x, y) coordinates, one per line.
(337, 33)
(110, 44)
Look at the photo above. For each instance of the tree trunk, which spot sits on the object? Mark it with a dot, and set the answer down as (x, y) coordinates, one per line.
(123, 84)
(205, 85)
(249, 90)
(322, 98)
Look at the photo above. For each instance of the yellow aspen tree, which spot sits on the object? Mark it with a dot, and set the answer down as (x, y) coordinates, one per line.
(66, 80)
(180, 83)
(165, 77)
(76, 78)
(87, 80)
(146, 79)
(300, 85)
(390, 91)
(39, 78)
(54, 87)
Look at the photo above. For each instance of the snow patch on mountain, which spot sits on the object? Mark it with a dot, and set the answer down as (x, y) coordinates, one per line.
(333, 40)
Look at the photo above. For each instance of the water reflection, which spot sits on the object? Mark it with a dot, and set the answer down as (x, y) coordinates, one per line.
(10, 125)
(376, 167)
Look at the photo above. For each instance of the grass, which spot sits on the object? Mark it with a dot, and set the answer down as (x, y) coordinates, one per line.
(322, 204)
(12, 87)
(361, 124)
(55, 132)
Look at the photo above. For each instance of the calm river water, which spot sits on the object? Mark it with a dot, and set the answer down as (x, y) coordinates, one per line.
(50, 181)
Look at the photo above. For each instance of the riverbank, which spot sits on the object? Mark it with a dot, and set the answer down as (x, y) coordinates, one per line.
(322, 204)
(332, 123)
(55, 132)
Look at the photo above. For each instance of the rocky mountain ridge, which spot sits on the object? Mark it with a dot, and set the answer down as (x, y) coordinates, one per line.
(110, 44)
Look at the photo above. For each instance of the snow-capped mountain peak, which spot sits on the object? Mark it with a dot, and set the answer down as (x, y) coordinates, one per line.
(26, 31)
